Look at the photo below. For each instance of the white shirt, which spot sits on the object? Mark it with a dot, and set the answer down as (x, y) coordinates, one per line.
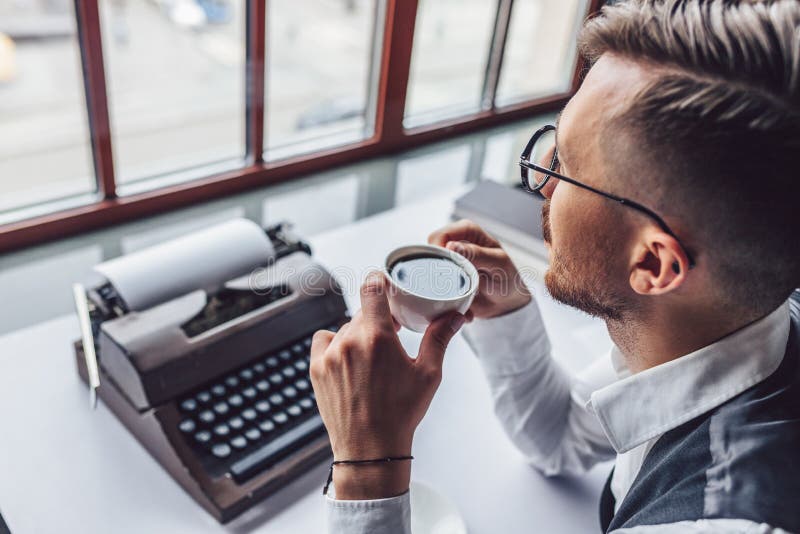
(566, 424)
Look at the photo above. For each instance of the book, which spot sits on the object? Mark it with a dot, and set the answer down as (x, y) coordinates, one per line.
(509, 214)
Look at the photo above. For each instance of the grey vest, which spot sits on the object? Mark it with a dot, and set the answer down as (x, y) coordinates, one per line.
(740, 460)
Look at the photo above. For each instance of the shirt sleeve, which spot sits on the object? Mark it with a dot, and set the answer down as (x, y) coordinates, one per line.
(377, 516)
(542, 409)
(704, 526)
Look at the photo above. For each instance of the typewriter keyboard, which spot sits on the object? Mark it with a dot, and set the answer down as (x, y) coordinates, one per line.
(249, 419)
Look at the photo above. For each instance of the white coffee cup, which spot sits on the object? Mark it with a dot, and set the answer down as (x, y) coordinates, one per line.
(416, 311)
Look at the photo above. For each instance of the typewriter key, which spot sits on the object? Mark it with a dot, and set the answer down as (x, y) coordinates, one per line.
(289, 372)
(266, 425)
(236, 423)
(280, 418)
(232, 381)
(187, 425)
(207, 416)
(204, 436)
(276, 378)
(221, 450)
(189, 405)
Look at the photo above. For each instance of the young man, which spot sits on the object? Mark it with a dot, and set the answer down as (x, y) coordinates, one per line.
(691, 113)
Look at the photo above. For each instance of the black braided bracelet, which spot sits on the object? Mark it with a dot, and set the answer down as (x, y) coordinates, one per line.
(359, 462)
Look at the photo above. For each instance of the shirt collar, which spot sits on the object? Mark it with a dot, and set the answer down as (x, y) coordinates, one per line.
(647, 404)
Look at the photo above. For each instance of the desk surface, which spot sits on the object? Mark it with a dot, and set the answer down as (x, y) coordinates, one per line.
(64, 468)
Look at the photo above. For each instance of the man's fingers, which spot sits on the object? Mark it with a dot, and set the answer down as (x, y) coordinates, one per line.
(320, 342)
(462, 230)
(375, 300)
(481, 257)
(435, 340)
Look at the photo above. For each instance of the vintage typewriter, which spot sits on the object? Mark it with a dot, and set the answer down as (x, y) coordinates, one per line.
(200, 346)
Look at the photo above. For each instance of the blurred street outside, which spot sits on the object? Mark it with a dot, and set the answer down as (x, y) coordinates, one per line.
(175, 80)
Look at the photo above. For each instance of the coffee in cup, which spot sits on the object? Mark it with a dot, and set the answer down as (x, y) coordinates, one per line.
(428, 281)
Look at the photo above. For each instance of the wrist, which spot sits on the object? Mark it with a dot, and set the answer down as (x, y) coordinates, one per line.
(371, 481)
(518, 304)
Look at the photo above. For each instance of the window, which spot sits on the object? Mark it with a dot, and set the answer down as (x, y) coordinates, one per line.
(175, 74)
(451, 48)
(115, 109)
(319, 73)
(444, 169)
(330, 202)
(540, 50)
(44, 133)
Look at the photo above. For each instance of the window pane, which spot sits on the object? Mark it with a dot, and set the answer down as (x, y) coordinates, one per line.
(540, 49)
(331, 202)
(448, 61)
(175, 75)
(319, 74)
(44, 135)
(424, 176)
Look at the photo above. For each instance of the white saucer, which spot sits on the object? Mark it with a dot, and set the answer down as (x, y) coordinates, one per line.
(433, 513)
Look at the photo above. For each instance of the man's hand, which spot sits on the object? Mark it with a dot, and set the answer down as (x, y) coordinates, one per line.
(501, 290)
(372, 395)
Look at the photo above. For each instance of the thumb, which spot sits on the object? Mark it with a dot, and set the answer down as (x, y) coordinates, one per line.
(435, 340)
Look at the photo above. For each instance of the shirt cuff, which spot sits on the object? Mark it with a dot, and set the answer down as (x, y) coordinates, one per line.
(377, 516)
(509, 344)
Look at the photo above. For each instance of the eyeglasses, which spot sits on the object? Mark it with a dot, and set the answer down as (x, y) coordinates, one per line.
(535, 177)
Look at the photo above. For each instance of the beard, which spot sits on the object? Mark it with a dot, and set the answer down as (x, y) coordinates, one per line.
(583, 280)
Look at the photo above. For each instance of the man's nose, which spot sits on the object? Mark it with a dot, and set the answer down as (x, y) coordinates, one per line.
(549, 187)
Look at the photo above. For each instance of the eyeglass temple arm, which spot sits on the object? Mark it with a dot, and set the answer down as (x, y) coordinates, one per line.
(635, 205)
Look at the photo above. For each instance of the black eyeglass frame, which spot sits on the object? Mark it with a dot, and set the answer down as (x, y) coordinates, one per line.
(526, 164)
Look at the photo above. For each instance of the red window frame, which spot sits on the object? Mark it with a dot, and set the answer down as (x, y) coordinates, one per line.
(390, 135)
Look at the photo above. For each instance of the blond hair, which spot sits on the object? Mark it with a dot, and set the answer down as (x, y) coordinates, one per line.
(718, 126)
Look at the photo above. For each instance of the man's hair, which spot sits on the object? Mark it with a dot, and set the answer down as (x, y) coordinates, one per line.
(717, 127)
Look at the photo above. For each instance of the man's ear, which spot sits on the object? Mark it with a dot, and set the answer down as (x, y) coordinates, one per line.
(658, 264)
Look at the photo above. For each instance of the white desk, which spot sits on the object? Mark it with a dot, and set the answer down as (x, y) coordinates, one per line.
(66, 469)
